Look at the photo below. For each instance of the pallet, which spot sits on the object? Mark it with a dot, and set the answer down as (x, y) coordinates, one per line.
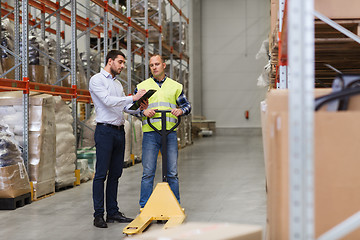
(137, 160)
(128, 164)
(57, 189)
(13, 203)
(44, 196)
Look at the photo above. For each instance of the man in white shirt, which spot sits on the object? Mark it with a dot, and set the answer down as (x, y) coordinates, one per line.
(110, 102)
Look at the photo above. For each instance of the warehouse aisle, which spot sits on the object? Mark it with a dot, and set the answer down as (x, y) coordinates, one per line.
(222, 179)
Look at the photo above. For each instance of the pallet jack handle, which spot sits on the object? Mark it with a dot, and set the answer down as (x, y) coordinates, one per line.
(163, 133)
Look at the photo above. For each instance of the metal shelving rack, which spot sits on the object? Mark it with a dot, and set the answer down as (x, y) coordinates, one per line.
(111, 24)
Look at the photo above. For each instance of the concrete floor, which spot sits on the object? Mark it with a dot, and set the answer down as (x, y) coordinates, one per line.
(222, 179)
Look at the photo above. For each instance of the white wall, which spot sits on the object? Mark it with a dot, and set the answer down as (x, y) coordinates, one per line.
(232, 33)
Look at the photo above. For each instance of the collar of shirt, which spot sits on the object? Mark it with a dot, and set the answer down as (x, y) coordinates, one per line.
(159, 82)
(107, 75)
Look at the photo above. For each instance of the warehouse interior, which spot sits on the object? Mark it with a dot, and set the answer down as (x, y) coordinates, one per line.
(264, 154)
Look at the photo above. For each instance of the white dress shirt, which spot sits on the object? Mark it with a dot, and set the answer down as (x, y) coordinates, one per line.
(109, 99)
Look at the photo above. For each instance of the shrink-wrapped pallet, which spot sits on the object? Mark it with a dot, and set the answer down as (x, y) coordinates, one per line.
(42, 142)
(87, 132)
(85, 172)
(65, 145)
(127, 129)
(137, 136)
(14, 180)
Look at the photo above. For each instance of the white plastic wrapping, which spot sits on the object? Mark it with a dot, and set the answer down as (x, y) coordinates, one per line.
(127, 141)
(42, 148)
(85, 173)
(137, 135)
(65, 145)
(87, 132)
(14, 180)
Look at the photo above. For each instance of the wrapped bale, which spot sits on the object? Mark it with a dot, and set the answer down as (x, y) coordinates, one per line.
(137, 136)
(85, 172)
(42, 142)
(65, 145)
(127, 128)
(14, 180)
(87, 131)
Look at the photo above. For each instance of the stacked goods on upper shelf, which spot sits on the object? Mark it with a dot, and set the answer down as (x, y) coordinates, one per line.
(7, 41)
(38, 63)
(184, 41)
(52, 69)
(332, 48)
(335, 49)
(81, 80)
(94, 63)
(138, 13)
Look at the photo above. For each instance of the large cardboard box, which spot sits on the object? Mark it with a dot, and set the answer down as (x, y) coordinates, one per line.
(14, 181)
(204, 231)
(336, 149)
(336, 175)
(338, 9)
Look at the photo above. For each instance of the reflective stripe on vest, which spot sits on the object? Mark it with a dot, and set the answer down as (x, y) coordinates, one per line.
(161, 104)
(152, 120)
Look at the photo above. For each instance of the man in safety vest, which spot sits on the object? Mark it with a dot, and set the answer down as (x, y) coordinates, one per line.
(169, 96)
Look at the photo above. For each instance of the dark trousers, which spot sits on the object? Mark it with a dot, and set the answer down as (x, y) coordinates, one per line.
(110, 148)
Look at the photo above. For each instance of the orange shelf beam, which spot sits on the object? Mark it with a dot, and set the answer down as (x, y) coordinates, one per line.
(66, 93)
(179, 11)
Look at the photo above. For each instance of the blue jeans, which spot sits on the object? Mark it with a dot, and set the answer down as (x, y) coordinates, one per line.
(110, 148)
(150, 148)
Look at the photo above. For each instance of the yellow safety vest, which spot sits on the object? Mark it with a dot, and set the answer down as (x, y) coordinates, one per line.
(163, 99)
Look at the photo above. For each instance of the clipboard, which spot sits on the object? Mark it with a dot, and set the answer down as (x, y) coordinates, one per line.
(147, 95)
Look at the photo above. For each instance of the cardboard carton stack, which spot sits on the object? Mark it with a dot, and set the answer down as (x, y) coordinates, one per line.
(336, 165)
(204, 231)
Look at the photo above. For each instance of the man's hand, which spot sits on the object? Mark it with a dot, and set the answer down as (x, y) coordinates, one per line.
(139, 94)
(149, 112)
(177, 112)
(144, 104)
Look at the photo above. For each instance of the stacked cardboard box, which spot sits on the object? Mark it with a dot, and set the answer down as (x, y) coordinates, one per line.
(336, 152)
(204, 231)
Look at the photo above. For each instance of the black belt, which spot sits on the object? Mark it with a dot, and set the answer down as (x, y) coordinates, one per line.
(121, 127)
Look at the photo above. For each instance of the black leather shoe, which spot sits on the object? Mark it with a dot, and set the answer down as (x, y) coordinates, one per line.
(119, 217)
(100, 222)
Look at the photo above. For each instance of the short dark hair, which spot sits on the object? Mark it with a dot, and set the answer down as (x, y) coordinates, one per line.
(113, 54)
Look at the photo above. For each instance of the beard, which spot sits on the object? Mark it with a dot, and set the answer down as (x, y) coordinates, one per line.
(114, 73)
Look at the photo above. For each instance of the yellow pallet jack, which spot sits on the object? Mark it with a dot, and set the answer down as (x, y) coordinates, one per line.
(162, 204)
